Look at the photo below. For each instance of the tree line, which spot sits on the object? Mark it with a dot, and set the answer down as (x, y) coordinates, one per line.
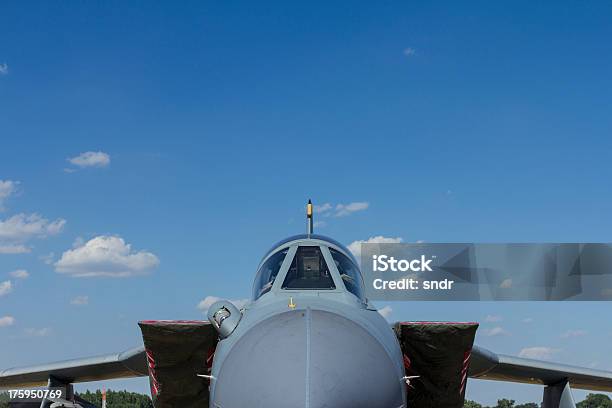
(125, 399)
(118, 399)
(591, 401)
(114, 399)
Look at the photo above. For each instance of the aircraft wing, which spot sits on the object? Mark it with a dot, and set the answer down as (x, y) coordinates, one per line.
(439, 356)
(177, 357)
(130, 363)
(487, 365)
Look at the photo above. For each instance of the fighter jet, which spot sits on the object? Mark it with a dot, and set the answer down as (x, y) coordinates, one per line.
(309, 338)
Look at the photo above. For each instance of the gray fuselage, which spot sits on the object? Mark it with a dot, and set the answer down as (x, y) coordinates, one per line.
(308, 338)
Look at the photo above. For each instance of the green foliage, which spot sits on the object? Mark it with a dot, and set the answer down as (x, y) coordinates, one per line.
(4, 399)
(502, 403)
(591, 401)
(125, 399)
(505, 403)
(595, 401)
(114, 399)
(118, 399)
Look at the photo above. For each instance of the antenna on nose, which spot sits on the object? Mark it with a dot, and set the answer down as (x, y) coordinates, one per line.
(309, 217)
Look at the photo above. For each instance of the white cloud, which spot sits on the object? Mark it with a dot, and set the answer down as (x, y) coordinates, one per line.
(7, 188)
(543, 353)
(207, 302)
(573, 333)
(78, 242)
(355, 246)
(7, 321)
(318, 209)
(47, 259)
(340, 210)
(90, 159)
(409, 52)
(527, 320)
(6, 287)
(14, 249)
(19, 274)
(45, 331)
(506, 284)
(80, 301)
(496, 331)
(107, 256)
(493, 318)
(15, 231)
(4, 69)
(21, 227)
(385, 311)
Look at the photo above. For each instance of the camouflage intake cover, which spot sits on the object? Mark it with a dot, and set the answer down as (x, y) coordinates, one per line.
(177, 351)
(439, 354)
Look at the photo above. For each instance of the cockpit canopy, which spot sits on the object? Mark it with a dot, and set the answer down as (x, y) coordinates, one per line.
(308, 270)
(314, 263)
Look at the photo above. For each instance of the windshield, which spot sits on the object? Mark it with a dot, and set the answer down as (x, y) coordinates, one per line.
(348, 272)
(308, 270)
(267, 273)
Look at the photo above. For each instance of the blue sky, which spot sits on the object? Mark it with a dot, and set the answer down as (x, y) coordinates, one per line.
(472, 122)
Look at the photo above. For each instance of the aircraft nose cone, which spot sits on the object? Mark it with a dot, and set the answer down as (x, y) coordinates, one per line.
(308, 358)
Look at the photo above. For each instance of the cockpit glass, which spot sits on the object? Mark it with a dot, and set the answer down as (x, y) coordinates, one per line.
(267, 273)
(349, 273)
(308, 270)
